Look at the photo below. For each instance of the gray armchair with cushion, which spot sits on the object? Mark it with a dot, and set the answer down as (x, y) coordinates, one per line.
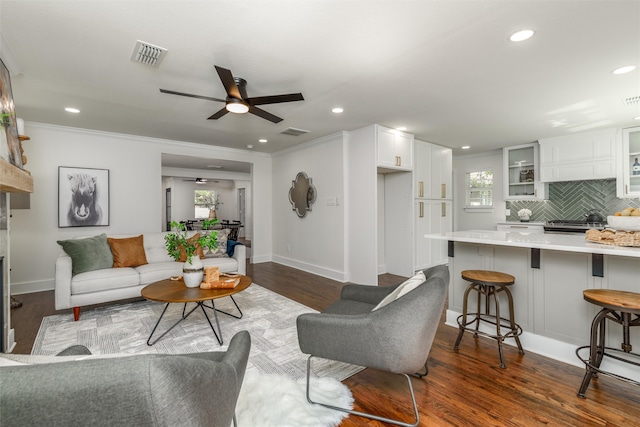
(394, 335)
(199, 389)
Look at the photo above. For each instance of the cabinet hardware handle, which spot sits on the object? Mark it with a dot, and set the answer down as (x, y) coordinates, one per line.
(443, 191)
(421, 191)
(421, 209)
(444, 209)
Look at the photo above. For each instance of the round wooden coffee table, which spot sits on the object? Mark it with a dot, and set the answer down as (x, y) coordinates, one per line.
(175, 291)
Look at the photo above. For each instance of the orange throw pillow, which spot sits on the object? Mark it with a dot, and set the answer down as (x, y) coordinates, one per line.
(128, 252)
(199, 251)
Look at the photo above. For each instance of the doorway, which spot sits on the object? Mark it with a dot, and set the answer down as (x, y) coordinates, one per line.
(242, 210)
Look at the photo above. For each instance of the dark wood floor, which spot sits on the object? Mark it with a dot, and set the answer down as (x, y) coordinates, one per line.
(465, 388)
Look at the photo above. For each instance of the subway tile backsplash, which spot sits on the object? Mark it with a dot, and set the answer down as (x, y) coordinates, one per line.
(573, 199)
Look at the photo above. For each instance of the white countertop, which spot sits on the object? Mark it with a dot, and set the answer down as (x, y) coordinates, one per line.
(557, 242)
(521, 223)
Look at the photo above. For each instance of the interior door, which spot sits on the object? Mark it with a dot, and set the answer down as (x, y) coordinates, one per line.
(168, 208)
(241, 210)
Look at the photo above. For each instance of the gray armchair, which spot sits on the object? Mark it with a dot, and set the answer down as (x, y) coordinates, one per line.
(396, 337)
(199, 389)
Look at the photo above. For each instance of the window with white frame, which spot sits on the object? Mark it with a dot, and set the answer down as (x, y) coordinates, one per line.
(204, 201)
(479, 187)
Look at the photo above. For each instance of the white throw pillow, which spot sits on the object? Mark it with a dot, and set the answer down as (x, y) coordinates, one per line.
(402, 289)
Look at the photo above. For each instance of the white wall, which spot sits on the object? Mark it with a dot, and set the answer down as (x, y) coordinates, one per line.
(314, 243)
(463, 220)
(136, 189)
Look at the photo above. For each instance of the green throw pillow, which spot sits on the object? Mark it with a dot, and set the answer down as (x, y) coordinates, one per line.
(91, 253)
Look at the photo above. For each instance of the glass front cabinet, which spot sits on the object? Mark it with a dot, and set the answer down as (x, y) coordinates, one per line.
(629, 182)
(521, 173)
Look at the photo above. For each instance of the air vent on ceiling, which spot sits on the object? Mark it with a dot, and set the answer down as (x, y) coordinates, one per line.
(294, 132)
(634, 100)
(148, 54)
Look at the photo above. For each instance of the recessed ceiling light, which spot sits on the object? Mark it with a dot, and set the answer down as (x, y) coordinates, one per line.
(337, 110)
(636, 118)
(401, 128)
(465, 147)
(521, 35)
(262, 140)
(624, 70)
(250, 146)
(71, 110)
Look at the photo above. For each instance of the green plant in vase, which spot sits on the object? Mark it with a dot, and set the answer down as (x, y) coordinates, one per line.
(178, 239)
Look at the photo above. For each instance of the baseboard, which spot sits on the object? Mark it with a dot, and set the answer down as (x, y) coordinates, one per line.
(260, 259)
(339, 276)
(31, 287)
(551, 348)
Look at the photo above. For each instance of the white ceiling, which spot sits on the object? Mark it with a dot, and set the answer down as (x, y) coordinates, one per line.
(444, 69)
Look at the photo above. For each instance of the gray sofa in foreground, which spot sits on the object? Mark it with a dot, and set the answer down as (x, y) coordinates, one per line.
(199, 389)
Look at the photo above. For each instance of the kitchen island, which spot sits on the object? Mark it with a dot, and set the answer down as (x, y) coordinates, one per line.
(551, 271)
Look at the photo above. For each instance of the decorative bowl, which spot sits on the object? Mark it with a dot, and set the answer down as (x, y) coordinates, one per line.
(625, 223)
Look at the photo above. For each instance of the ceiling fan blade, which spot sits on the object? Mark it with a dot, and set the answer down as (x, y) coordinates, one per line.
(264, 114)
(274, 99)
(218, 114)
(227, 81)
(208, 98)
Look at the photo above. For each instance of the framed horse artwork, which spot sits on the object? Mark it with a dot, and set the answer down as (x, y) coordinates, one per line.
(83, 197)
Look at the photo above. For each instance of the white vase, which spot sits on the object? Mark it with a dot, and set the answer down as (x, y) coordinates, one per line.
(524, 218)
(192, 273)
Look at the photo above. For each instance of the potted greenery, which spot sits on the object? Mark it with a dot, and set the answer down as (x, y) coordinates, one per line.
(175, 241)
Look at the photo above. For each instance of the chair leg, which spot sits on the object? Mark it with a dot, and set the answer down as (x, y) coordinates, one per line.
(364, 414)
(423, 373)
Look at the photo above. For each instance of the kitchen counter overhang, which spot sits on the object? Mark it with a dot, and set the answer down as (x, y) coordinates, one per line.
(551, 271)
(556, 242)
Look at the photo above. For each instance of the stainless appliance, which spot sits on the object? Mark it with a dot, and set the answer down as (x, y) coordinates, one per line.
(572, 226)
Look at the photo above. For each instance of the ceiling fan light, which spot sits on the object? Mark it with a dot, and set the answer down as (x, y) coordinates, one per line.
(237, 106)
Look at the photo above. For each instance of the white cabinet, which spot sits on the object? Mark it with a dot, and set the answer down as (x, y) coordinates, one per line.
(521, 173)
(379, 213)
(433, 206)
(433, 172)
(395, 149)
(431, 217)
(628, 179)
(583, 156)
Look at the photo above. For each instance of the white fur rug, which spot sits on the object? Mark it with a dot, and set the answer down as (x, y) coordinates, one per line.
(273, 400)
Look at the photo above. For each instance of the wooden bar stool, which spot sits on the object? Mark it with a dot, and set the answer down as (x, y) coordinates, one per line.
(489, 284)
(617, 306)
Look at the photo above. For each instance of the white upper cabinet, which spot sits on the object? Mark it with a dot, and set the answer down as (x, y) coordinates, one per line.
(395, 149)
(583, 156)
(629, 174)
(521, 173)
(432, 171)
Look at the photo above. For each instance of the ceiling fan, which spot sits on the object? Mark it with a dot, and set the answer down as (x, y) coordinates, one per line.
(199, 180)
(237, 100)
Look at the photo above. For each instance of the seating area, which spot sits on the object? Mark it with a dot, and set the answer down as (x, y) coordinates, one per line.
(135, 262)
(386, 328)
(75, 388)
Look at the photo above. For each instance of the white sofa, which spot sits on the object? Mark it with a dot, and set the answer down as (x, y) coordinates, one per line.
(112, 284)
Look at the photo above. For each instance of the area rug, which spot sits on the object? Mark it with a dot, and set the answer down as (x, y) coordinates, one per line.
(124, 328)
(278, 401)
